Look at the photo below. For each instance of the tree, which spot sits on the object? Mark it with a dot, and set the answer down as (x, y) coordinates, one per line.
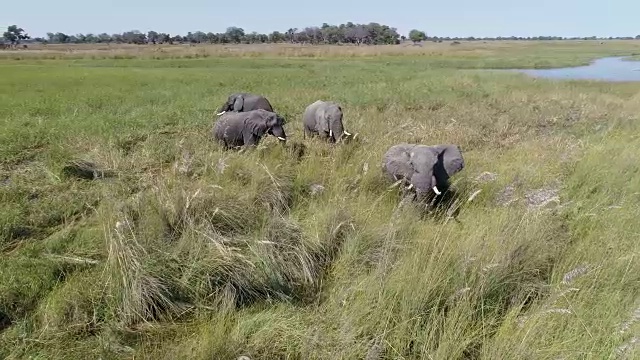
(235, 34)
(90, 38)
(276, 37)
(351, 33)
(291, 34)
(164, 38)
(416, 36)
(104, 38)
(356, 34)
(313, 34)
(153, 37)
(14, 34)
(58, 38)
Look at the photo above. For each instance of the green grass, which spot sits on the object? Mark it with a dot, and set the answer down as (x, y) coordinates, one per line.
(219, 254)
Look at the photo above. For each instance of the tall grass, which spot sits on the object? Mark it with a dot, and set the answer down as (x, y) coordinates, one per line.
(188, 251)
(467, 54)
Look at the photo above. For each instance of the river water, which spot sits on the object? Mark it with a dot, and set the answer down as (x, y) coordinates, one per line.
(604, 69)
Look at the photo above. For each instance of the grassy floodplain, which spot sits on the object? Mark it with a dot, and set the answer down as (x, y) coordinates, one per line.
(189, 252)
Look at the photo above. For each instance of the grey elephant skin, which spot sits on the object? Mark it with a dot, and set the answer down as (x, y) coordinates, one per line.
(235, 129)
(426, 169)
(324, 119)
(241, 102)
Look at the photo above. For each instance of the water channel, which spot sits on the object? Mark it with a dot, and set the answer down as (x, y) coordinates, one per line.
(605, 69)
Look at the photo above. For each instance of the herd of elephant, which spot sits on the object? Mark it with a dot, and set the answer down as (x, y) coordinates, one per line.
(425, 170)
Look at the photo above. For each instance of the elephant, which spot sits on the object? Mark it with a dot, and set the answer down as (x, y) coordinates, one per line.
(235, 129)
(324, 118)
(240, 102)
(426, 169)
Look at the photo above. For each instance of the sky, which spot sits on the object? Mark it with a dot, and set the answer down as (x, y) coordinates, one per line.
(437, 18)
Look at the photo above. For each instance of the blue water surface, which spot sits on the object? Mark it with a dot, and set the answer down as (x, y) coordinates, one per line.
(604, 69)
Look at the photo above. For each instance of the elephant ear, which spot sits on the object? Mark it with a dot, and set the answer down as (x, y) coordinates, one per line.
(238, 103)
(272, 119)
(258, 123)
(280, 120)
(397, 164)
(451, 159)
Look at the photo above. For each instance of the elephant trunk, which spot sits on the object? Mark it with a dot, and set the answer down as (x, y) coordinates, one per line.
(223, 109)
(279, 133)
(336, 130)
(425, 185)
(434, 183)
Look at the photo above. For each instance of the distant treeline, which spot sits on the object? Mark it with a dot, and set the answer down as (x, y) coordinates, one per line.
(349, 33)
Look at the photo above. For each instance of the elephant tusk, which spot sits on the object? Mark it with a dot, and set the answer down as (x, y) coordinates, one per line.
(330, 133)
(410, 187)
(435, 189)
(281, 138)
(346, 133)
(398, 182)
(220, 113)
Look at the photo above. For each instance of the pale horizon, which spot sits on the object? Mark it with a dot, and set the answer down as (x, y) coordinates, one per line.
(492, 18)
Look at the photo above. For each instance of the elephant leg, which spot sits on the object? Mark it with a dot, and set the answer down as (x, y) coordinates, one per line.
(322, 134)
(308, 132)
(305, 130)
(314, 133)
(222, 142)
(249, 139)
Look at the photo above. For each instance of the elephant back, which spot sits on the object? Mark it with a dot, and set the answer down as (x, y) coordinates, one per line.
(309, 115)
(224, 121)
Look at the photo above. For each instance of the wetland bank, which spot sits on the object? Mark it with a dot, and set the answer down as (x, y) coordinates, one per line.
(221, 254)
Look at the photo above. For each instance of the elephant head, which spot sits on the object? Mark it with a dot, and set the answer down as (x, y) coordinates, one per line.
(234, 102)
(268, 122)
(433, 166)
(331, 117)
(426, 168)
